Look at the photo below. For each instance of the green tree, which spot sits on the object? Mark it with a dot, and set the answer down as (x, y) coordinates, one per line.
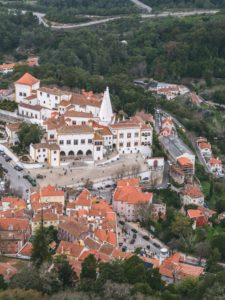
(88, 274)
(65, 272)
(40, 250)
(29, 133)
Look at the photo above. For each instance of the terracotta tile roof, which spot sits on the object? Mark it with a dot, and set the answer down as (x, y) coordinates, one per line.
(106, 236)
(85, 100)
(47, 216)
(14, 203)
(31, 107)
(184, 161)
(76, 266)
(128, 182)
(13, 126)
(70, 249)
(84, 199)
(78, 114)
(97, 137)
(107, 249)
(7, 66)
(98, 255)
(91, 243)
(125, 124)
(155, 262)
(167, 120)
(194, 213)
(26, 250)
(144, 116)
(204, 145)
(132, 195)
(14, 224)
(74, 228)
(54, 91)
(51, 191)
(192, 191)
(215, 161)
(75, 129)
(119, 254)
(65, 103)
(27, 79)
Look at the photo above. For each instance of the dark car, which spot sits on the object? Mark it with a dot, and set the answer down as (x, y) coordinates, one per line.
(134, 230)
(120, 244)
(156, 245)
(124, 248)
(132, 241)
(2, 152)
(122, 222)
(5, 170)
(134, 236)
(146, 237)
(7, 158)
(39, 176)
(148, 247)
(108, 186)
(18, 168)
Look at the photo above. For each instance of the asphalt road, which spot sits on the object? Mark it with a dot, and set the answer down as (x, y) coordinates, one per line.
(125, 238)
(17, 181)
(42, 19)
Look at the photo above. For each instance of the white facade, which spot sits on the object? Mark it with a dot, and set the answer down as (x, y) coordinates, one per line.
(128, 138)
(45, 153)
(50, 98)
(106, 112)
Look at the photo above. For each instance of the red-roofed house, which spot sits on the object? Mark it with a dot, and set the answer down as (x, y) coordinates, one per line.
(7, 270)
(49, 194)
(71, 250)
(26, 251)
(173, 269)
(49, 219)
(192, 194)
(8, 203)
(24, 86)
(14, 234)
(215, 165)
(128, 198)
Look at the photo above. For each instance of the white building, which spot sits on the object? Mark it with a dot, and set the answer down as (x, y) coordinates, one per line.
(215, 166)
(45, 152)
(132, 138)
(25, 86)
(50, 98)
(191, 194)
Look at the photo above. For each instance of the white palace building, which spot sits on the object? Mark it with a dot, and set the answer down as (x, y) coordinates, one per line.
(79, 125)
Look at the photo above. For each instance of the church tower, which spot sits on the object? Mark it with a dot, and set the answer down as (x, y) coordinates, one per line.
(106, 112)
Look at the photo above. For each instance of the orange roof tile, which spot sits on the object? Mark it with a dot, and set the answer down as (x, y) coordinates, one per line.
(106, 236)
(132, 195)
(14, 202)
(184, 161)
(51, 191)
(27, 79)
(26, 250)
(128, 182)
(194, 213)
(215, 161)
(192, 191)
(70, 249)
(204, 145)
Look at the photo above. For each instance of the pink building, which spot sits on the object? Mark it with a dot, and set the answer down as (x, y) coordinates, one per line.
(128, 197)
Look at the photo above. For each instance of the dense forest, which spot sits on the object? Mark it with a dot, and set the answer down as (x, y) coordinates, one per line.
(185, 3)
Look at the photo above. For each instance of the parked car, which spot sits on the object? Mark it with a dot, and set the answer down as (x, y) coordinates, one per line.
(7, 158)
(146, 237)
(122, 222)
(39, 176)
(148, 247)
(134, 230)
(124, 248)
(156, 245)
(2, 152)
(5, 170)
(134, 236)
(18, 168)
(120, 244)
(108, 186)
(132, 241)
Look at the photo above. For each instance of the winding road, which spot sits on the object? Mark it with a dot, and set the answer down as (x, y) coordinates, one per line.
(46, 23)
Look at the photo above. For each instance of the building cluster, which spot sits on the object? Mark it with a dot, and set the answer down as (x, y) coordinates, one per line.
(9, 67)
(214, 165)
(78, 125)
(169, 91)
(86, 225)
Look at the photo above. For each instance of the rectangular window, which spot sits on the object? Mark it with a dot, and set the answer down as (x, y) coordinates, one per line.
(121, 135)
(52, 136)
(121, 144)
(128, 144)
(61, 142)
(68, 142)
(98, 148)
(48, 95)
(44, 150)
(136, 144)
(83, 122)
(75, 142)
(129, 135)
(74, 122)
(136, 134)
(82, 141)
(21, 94)
(90, 141)
(56, 98)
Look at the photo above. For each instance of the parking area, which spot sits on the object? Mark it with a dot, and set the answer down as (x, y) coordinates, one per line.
(71, 175)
